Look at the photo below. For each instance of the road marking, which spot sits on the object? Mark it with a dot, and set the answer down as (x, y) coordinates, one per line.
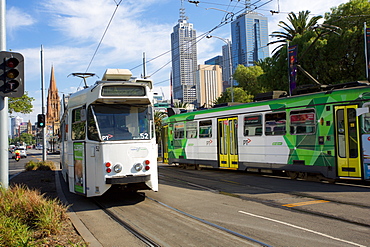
(302, 228)
(228, 181)
(304, 203)
(17, 170)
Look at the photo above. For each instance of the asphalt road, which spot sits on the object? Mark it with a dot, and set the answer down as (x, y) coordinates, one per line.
(194, 208)
(32, 154)
(273, 211)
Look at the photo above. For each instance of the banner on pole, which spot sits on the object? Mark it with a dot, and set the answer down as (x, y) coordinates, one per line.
(292, 56)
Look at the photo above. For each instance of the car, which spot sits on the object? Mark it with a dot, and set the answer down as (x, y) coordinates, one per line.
(22, 152)
(39, 147)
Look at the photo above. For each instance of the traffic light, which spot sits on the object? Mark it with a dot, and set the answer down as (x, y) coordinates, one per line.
(41, 121)
(11, 74)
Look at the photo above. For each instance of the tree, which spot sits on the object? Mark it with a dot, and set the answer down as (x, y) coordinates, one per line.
(180, 104)
(22, 104)
(297, 25)
(158, 117)
(27, 138)
(239, 96)
(345, 56)
(247, 78)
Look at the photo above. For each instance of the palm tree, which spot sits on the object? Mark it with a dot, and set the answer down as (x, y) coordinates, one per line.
(298, 25)
(181, 105)
(158, 117)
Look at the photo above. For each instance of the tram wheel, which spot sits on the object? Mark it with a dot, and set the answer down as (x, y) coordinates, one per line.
(302, 175)
(292, 175)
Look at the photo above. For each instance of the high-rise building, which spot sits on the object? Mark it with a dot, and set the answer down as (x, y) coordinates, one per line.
(249, 33)
(184, 60)
(217, 60)
(14, 126)
(209, 86)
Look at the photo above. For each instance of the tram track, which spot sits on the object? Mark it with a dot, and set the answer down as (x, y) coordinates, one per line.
(137, 234)
(136, 228)
(191, 179)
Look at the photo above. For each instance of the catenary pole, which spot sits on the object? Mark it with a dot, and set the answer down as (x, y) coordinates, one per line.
(4, 162)
(43, 105)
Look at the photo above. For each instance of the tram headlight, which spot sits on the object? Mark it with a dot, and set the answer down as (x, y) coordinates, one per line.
(117, 168)
(138, 167)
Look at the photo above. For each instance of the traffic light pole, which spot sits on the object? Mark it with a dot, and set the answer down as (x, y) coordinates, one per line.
(4, 162)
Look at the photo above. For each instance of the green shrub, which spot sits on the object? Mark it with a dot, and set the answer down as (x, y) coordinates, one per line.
(25, 213)
(41, 165)
(14, 233)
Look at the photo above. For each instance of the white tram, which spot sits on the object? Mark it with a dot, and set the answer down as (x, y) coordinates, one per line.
(108, 137)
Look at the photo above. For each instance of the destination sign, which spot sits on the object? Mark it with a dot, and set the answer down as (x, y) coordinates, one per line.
(123, 90)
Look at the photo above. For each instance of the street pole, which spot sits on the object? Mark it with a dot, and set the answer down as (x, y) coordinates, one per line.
(43, 105)
(231, 70)
(4, 153)
(228, 43)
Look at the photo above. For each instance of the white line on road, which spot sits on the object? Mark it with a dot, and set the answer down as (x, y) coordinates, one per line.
(18, 170)
(302, 228)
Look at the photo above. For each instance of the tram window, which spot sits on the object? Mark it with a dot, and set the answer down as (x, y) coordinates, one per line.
(275, 123)
(191, 129)
(366, 118)
(92, 130)
(179, 131)
(253, 125)
(205, 129)
(117, 122)
(78, 124)
(302, 122)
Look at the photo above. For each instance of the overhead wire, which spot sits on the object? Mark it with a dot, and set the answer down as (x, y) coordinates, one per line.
(199, 38)
(202, 36)
(101, 40)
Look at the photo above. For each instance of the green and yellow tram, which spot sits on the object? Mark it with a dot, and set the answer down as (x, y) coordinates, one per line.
(325, 134)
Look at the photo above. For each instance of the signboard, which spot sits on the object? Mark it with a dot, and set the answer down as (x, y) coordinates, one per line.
(292, 56)
(366, 155)
(79, 161)
(123, 90)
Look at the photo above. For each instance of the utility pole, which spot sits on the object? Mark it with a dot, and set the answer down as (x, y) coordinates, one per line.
(43, 131)
(231, 79)
(4, 153)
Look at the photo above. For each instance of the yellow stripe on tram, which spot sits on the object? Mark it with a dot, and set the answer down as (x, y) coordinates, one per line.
(304, 203)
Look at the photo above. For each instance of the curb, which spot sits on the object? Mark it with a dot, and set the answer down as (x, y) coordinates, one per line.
(77, 223)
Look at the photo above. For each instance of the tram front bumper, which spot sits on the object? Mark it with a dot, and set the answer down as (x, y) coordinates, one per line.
(127, 179)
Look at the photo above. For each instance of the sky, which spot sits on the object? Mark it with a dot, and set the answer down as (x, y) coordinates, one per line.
(93, 35)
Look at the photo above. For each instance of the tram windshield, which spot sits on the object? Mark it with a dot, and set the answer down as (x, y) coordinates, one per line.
(112, 122)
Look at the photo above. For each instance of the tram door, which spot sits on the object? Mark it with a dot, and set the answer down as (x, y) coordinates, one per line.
(228, 143)
(165, 144)
(348, 150)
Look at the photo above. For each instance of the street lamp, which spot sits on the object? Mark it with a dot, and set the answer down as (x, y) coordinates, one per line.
(230, 64)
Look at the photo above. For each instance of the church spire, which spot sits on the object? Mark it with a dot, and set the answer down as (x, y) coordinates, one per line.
(53, 101)
(53, 85)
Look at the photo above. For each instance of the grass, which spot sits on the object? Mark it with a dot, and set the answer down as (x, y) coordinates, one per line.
(26, 217)
(29, 218)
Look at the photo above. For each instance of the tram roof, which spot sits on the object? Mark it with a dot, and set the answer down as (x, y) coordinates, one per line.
(334, 94)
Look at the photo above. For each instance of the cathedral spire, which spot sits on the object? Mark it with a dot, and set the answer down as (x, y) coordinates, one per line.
(53, 85)
(53, 102)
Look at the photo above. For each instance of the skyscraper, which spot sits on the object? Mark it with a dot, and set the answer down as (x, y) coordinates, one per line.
(184, 60)
(209, 86)
(249, 33)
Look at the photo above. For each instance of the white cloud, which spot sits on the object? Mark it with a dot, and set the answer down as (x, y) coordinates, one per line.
(16, 18)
